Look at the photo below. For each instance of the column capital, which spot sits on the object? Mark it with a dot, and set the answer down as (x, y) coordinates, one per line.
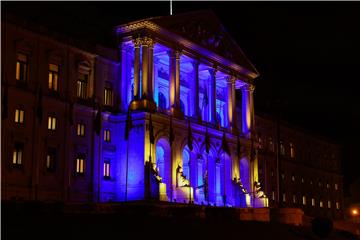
(230, 79)
(137, 42)
(147, 41)
(248, 87)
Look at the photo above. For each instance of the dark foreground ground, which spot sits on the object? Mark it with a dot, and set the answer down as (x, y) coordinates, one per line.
(37, 222)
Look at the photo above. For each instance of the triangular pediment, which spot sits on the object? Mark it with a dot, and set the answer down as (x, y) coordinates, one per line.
(206, 30)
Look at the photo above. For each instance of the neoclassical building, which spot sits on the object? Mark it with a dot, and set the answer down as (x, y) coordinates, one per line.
(154, 118)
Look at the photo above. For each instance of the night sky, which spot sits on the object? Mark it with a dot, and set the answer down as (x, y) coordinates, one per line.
(307, 53)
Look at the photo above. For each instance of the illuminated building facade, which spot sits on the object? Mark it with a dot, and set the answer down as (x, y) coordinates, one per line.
(155, 118)
(170, 128)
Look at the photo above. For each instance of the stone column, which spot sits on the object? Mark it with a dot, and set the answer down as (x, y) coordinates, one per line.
(171, 79)
(247, 109)
(151, 70)
(156, 84)
(231, 104)
(213, 95)
(195, 90)
(177, 79)
(145, 69)
(137, 44)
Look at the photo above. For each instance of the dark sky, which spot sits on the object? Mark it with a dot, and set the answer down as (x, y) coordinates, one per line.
(308, 54)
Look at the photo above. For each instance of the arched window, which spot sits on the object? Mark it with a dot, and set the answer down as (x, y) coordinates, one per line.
(218, 118)
(182, 106)
(162, 101)
(186, 162)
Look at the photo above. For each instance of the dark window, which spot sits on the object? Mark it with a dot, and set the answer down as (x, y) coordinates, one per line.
(182, 106)
(162, 101)
(51, 160)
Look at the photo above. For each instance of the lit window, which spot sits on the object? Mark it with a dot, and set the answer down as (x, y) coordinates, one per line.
(302, 180)
(336, 186)
(273, 195)
(282, 176)
(293, 178)
(271, 145)
(284, 197)
(282, 148)
(52, 123)
(51, 159)
(292, 150)
(313, 202)
(18, 154)
(327, 185)
(80, 129)
(53, 77)
(337, 205)
(19, 116)
(107, 137)
(304, 200)
(320, 184)
(21, 67)
(107, 168)
(80, 162)
(311, 182)
(294, 198)
(108, 96)
(321, 204)
(329, 204)
(81, 91)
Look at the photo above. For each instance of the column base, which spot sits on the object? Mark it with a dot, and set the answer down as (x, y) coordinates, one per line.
(176, 112)
(144, 105)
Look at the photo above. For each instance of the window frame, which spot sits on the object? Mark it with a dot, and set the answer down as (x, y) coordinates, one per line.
(23, 74)
(80, 164)
(18, 148)
(51, 166)
(53, 73)
(17, 116)
(82, 85)
(52, 123)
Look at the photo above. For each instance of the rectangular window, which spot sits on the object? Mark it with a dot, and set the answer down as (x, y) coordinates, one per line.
(292, 151)
(282, 148)
(107, 168)
(107, 137)
(313, 202)
(80, 162)
(273, 195)
(336, 186)
(21, 67)
(51, 159)
(52, 123)
(53, 77)
(329, 204)
(293, 178)
(337, 205)
(321, 204)
(18, 154)
(304, 200)
(81, 86)
(19, 116)
(294, 198)
(271, 145)
(108, 96)
(284, 197)
(80, 130)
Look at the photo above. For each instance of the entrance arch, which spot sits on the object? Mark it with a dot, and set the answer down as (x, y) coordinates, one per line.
(163, 162)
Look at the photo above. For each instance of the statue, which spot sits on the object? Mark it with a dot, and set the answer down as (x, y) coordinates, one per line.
(258, 192)
(181, 180)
